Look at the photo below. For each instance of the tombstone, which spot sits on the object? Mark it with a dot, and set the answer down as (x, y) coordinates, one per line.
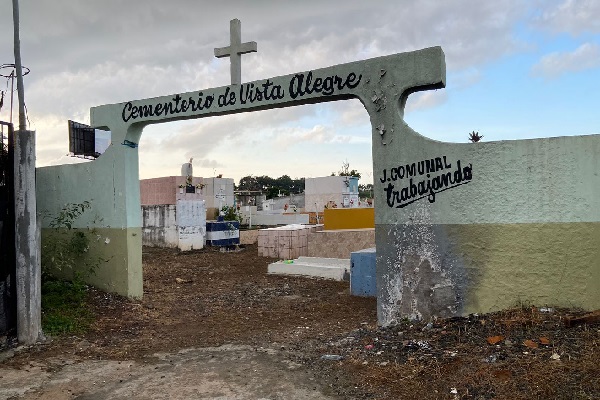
(191, 224)
(460, 228)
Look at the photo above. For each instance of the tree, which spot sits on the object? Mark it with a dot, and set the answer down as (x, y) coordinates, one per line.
(365, 191)
(249, 183)
(345, 171)
(283, 185)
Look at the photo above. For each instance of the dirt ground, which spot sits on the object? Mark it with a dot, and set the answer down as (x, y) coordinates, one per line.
(208, 314)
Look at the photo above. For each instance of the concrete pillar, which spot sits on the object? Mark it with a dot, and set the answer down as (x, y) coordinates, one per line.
(28, 275)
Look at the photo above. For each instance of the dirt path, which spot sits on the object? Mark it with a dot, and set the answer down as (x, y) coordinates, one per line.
(226, 372)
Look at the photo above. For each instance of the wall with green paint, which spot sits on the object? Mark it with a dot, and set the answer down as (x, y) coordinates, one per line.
(108, 184)
(108, 252)
(519, 225)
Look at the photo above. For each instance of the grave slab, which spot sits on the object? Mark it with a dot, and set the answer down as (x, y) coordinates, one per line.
(316, 267)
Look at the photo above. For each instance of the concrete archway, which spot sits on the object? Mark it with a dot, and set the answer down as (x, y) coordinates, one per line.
(381, 84)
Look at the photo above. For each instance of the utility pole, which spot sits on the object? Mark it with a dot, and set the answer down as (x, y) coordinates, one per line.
(18, 67)
(27, 240)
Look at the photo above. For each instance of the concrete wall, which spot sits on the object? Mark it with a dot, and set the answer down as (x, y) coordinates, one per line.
(159, 225)
(182, 225)
(191, 224)
(219, 192)
(349, 218)
(510, 222)
(279, 203)
(277, 219)
(167, 190)
(340, 243)
(155, 191)
(321, 191)
(249, 236)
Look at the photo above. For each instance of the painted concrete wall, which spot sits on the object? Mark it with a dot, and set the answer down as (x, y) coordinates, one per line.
(167, 190)
(349, 218)
(510, 222)
(191, 224)
(219, 192)
(321, 191)
(278, 203)
(261, 218)
(181, 225)
(110, 183)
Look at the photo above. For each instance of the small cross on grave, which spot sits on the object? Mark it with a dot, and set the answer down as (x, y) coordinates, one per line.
(235, 50)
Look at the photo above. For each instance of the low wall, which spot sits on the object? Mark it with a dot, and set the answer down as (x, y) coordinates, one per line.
(349, 218)
(340, 243)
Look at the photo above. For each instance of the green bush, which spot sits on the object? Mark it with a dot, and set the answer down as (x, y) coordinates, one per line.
(231, 214)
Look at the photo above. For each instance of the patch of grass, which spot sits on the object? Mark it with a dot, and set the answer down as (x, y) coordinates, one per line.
(65, 309)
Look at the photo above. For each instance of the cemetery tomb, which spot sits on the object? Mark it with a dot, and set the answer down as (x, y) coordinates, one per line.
(330, 192)
(182, 225)
(222, 233)
(285, 242)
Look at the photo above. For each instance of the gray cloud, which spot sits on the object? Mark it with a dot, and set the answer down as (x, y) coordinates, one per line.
(572, 16)
(87, 52)
(586, 56)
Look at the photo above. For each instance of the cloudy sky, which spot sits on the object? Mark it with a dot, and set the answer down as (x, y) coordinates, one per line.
(515, 69)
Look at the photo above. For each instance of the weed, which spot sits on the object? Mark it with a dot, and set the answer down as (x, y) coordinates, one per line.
(230, 213)
(65, 251)
(64, 307)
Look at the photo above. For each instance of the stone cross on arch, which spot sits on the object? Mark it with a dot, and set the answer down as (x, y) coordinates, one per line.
(235, 50)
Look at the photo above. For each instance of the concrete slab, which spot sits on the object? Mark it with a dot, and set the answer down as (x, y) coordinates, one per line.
(317, 267)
